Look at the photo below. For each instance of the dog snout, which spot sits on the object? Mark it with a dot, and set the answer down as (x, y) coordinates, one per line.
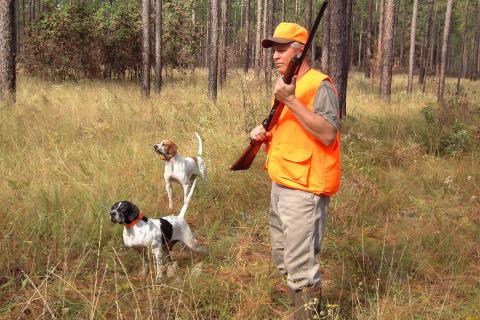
(158, 149)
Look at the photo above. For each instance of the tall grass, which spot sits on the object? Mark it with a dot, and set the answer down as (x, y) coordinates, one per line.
(403, 235)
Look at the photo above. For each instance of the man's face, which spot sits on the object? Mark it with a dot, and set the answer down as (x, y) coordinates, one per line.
(282, 54)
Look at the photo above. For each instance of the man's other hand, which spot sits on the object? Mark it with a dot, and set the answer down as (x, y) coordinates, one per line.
(285, 93)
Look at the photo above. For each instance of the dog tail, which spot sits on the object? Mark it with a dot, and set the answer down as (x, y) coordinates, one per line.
(187, 201)
(200, 146)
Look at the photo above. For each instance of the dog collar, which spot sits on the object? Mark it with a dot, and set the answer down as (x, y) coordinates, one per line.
(138, 218)
(167, 158)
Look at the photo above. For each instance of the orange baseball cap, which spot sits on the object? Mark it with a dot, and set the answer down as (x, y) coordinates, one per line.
(285, 33)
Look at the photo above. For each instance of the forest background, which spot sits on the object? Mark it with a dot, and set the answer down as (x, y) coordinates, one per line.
(78, 122)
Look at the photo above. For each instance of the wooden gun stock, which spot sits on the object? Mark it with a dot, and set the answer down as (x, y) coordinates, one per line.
(249, 154)
(247, 157)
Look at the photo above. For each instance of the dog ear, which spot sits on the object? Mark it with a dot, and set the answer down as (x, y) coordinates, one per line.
(172, 149)
(132, 211)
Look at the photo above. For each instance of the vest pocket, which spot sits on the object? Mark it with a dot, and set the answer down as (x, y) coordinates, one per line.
(295, 164)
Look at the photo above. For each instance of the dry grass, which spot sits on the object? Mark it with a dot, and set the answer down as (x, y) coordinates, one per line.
(403, 240)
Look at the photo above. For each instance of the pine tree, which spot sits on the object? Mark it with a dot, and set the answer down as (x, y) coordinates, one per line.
(476, 51)
(213, 52)
(158, 45)
(387, 57)
(222, 63)
(7, 50)
(338, 50)
(246, 54)
(145, 48)
(258, 39)
(325, 57)
(368, 45)
(426, 43)
(443, 62)
(411, 59)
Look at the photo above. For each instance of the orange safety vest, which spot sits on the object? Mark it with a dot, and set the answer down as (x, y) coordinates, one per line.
(297, 160)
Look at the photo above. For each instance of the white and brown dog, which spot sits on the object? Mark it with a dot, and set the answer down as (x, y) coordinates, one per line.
(180, 169)
(159, 234)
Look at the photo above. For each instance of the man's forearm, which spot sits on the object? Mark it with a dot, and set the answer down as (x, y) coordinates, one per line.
(319, 128)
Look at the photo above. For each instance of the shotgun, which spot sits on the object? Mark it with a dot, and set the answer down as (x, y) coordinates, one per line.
(248, 155)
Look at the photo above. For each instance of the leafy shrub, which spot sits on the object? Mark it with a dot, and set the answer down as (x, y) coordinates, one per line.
(59, 44)
(457, 141)
(96, 39)
(449, 126)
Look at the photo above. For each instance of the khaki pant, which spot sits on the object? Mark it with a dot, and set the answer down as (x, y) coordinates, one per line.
(297, 220)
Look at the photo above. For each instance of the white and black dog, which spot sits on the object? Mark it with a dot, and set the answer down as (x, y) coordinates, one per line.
(180, 169)
(159, 234)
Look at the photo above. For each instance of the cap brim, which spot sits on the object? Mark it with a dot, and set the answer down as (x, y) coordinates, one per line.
(268, 43)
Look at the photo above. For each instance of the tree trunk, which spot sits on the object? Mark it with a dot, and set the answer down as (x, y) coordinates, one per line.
(158, 45)
(308, 23)
(411, 60)
(242, 8)
(402, 33)
(269, 30)
(246, 61)
(438, 53)
(325, 58)
(145, 48)
(223, 42)
(265, 34)
(338, 50)
(296, 10)
(308, 14)
(429, 64)
(359, 63)
(395, 31)
(368, 45)
(461, 70)
(443, 62)
(207, 39)
(7, 51)
(348, 26)
(17, 28)
(387, 57)
(476, 51)
(426, 43)
(258, 39)
(378, 57)
(283, 10)
(213, 60)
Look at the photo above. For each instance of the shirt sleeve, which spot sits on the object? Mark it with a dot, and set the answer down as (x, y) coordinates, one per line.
(325, 103)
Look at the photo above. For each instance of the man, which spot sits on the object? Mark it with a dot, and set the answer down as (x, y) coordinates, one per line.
(303, 161)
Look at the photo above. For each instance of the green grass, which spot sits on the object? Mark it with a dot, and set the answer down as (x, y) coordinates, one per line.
(403, 235)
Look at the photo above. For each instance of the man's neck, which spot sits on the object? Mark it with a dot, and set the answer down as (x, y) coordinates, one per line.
(303, 69)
